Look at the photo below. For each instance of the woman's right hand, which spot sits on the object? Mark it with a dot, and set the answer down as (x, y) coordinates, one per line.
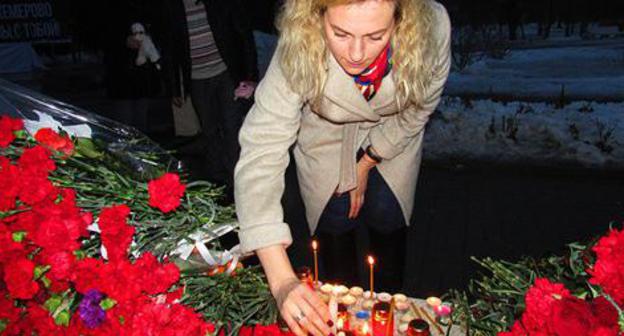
(301, 308)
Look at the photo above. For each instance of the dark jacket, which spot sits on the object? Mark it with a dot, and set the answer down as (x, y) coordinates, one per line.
(123, 78)
(232, 33)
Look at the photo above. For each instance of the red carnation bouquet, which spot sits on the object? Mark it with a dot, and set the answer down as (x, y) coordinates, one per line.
(580, 293)
(48, 285)
(552, 311)
(84, 250)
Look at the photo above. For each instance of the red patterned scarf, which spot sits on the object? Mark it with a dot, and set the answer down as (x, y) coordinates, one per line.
(370, 79)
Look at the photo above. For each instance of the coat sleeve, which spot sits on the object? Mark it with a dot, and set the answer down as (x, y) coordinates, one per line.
(390, 138)
(269, 130)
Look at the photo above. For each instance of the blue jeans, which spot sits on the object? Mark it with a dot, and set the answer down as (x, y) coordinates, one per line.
(381, 216)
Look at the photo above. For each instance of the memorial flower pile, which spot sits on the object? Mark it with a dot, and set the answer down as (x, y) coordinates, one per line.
(84, 249)
(580, 293)
(49, 286)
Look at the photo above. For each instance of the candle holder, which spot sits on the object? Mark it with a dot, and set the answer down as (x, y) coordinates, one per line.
(356, 291)
(342, 318)
(384, 297)
(362, 324)
(433, 302)
(418, 327)
(443, 313)
(382, 320)
(304, 274)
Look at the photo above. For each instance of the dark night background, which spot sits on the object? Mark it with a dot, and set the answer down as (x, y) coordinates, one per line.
(462, 209)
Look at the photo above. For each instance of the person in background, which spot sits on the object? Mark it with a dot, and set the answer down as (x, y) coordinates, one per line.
(211, 55)
(132, 86)
(352, 85)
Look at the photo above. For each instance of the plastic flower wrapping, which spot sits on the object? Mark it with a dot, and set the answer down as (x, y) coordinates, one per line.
(131, 151)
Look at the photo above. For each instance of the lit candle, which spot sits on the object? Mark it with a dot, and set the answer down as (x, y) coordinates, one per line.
(315, 250)
(371, 263)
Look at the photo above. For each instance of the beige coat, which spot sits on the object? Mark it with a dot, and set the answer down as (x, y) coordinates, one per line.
(326, 143)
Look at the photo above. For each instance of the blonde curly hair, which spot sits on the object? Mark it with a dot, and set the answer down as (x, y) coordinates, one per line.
(303, 50)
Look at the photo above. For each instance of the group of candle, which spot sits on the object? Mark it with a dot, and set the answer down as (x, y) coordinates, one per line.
(360, 313)
(371, 265)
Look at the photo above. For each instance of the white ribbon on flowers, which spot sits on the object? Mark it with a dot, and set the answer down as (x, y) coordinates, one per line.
(47, 121)
(199, 239)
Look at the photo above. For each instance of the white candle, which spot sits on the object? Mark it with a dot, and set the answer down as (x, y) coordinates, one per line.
(315, 250)
(371, 263)
(433, 302)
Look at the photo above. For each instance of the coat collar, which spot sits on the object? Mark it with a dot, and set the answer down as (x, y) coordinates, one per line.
(341, 90)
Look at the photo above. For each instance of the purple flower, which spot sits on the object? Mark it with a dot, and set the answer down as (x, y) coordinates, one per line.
(91, 314)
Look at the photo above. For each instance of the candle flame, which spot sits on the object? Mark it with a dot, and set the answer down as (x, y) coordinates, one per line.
(314, 245)
(371, 260)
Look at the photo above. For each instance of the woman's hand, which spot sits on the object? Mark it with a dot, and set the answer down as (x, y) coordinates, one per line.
(301, 308)
(357, 195)
(245, 90)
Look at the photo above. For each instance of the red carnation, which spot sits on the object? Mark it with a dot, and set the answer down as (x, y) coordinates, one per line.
(602, 331)
(125, 288)
(9, 125)
(38, 321)
(174, 296)
(608, 272)
(57, 234)
(540, 299)
(605, 313)
(157, 277)
(116, 233)
(151, 318)
(34, 166)
(552, 311)
(35, 189)
(55, 226)
(571, 316)
(18, 276)
(8, 311)
(55, 141)
(165, 192)
(9, 249)
(9, 176)
(36, 161)
(87, 274)
(61, 265)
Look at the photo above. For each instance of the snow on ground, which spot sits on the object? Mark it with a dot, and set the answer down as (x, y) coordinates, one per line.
(505, 111)
(581, 134)
(586, 73)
